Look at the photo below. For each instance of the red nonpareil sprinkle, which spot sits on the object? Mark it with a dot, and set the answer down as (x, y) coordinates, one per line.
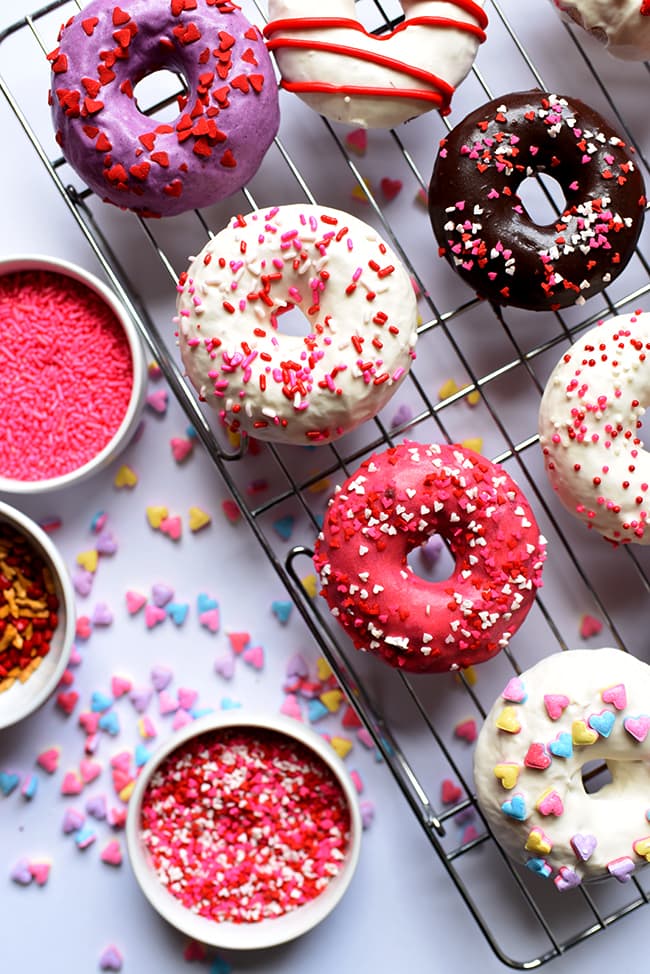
(245, 824)
(28, 607)
(66, 376)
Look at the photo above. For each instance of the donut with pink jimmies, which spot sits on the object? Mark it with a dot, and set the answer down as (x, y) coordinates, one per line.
(227, 118)
(393, 503)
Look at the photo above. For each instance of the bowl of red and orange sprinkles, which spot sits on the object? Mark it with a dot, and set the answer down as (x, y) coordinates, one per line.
(37, 616)
(73, 375)
(244, 830)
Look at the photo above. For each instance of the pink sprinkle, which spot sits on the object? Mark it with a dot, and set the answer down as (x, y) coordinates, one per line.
(76, 374)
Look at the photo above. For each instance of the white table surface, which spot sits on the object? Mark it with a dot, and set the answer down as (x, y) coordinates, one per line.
(401, 912)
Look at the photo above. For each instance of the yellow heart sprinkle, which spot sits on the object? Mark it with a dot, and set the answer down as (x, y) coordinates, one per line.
(359, 194)
(508, 720)
(473, 398)
(319, 486)
(125, 477)
(538, 842)
(156, 515)
(642, 848)
(474, 443)
(447, 389)
(581, 733)
(332, 700)
(88, 560)
(125, 793)
(341, 745)
(198, 519)
(469, 675)
(323, 669)
(310, 585)
(234, 438)
(507, 774)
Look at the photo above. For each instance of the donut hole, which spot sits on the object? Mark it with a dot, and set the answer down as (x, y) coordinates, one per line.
(595, 775)
(156, 95)
(294, 323)
(543, 198)
(432, 561)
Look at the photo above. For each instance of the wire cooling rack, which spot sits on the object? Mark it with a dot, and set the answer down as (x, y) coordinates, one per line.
(465, 346)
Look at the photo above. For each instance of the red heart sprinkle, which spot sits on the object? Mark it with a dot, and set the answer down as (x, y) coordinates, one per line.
(175, 188)
(89, 25)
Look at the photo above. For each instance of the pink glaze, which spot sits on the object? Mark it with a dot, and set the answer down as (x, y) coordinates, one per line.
(246, 824)
(392, 505)
(66, 376)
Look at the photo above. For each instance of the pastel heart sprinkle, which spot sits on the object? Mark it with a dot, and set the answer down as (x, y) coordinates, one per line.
(157, 400)
(110, 959)
(72, 820)
(125, 477)
(567, 878)
(161, 594)
(83, 581)
(466, 730)
(153, 616)
(254, 656)
(281, 611)
(583, 735)
(590, 626)
(134, 602)
(238, 641)
(111, 854)
(332, 700)
(342, 745)
(357, 140)
(21, 873)
(177, 612)
(161, 677)
(71, 784)
(449, 792)
(583, 845)
(621, 869)
(187, 697)
(297, 666)
(49, 760)
(390, 187)
(40, 871)
(166, 703)
(100, 701)
(182, 448)
(156, 515)
(637, 727)
(549, 803)
(210, 620)
(538, 842)
(316, 710)
(562, 746)
(204, 603)
(615, 695)
(181, 718)
(515, 807)
(89, 770)
(539, 866)
(642, 848)
(172, 526)
(603, 722)
(514, 691)
(291, 707)
(106, 543)
(225, 666)
(537, 757)
(96, 806)
(283, 526)
(556, 704)
(88, 560)
(508, 774)
(120, 686)
(198, 519)
(110, 723)
(508, 720)
(141, 698)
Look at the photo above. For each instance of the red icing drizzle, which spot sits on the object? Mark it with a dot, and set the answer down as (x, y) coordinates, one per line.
(442, 91)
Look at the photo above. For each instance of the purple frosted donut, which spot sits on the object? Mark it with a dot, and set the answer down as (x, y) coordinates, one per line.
(226, 122)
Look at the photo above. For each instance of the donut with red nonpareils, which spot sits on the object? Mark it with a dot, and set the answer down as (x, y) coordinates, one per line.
(227, 118)
(590, 428)
(480, 221)
(392, 505)
(360, 317)
(346, 73)
(623, 26)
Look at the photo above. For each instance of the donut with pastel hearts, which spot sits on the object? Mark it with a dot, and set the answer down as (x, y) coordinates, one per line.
(392, 505)
(590, 419)
(576, 710)
(623, 26)
(483, 228)
(346, 73)
(228, 116)
(360, 313)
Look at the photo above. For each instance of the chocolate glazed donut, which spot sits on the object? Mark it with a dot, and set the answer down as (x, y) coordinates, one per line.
(482, 226)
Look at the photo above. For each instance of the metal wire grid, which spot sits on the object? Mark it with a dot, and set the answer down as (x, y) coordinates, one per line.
(481, 873)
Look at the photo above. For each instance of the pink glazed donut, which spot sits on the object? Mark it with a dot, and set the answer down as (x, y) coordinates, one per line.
(226, 122)
(393, 503)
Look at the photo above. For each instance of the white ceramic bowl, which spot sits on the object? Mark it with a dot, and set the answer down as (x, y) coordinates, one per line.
(126, 429)
(22, 699)
(267, 932)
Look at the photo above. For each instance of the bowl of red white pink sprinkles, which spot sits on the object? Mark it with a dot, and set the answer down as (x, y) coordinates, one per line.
(73, 376)
(244, 830)
(37, 616)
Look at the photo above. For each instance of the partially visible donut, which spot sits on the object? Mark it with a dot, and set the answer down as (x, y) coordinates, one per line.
(375, 81)
(589, 428)
(622, 25)
(575, 708)
(360, 317)
(226, 122)
(482, 226)
(393, 503)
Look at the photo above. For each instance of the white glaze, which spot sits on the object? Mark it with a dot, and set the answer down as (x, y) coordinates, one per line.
(589, 428)
(619, 24)
(362, 329)
(445, 52)
(616, 815)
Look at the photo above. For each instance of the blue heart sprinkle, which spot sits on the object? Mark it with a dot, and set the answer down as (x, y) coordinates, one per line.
(206, 603)
(316, 710)
(141, 755)
(8, 781)
(110, 723)
(100, 702)
(220, 966)
(515, 808)
(284, 526)
(177, 611)
(602, 723)
(227, 703)
(562, 746)
(197, 712)
(539, 866)
(282, 611)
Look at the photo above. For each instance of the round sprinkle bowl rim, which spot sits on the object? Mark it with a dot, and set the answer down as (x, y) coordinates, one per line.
(269, 932)
(22, 699)
(24, 262)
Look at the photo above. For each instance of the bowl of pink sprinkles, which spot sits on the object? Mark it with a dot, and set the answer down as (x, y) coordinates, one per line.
(72, 374)
(244, 830)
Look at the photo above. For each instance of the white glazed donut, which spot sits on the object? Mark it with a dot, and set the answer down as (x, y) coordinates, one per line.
(360, 310)
(571, 709)
(622, 25)
(589, 423)
(349, 75)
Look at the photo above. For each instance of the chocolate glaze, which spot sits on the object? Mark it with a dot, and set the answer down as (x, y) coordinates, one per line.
(480, 222)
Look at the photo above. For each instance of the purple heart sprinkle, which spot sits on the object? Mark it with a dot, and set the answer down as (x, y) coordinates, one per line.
(161, 594)
(161, 677)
